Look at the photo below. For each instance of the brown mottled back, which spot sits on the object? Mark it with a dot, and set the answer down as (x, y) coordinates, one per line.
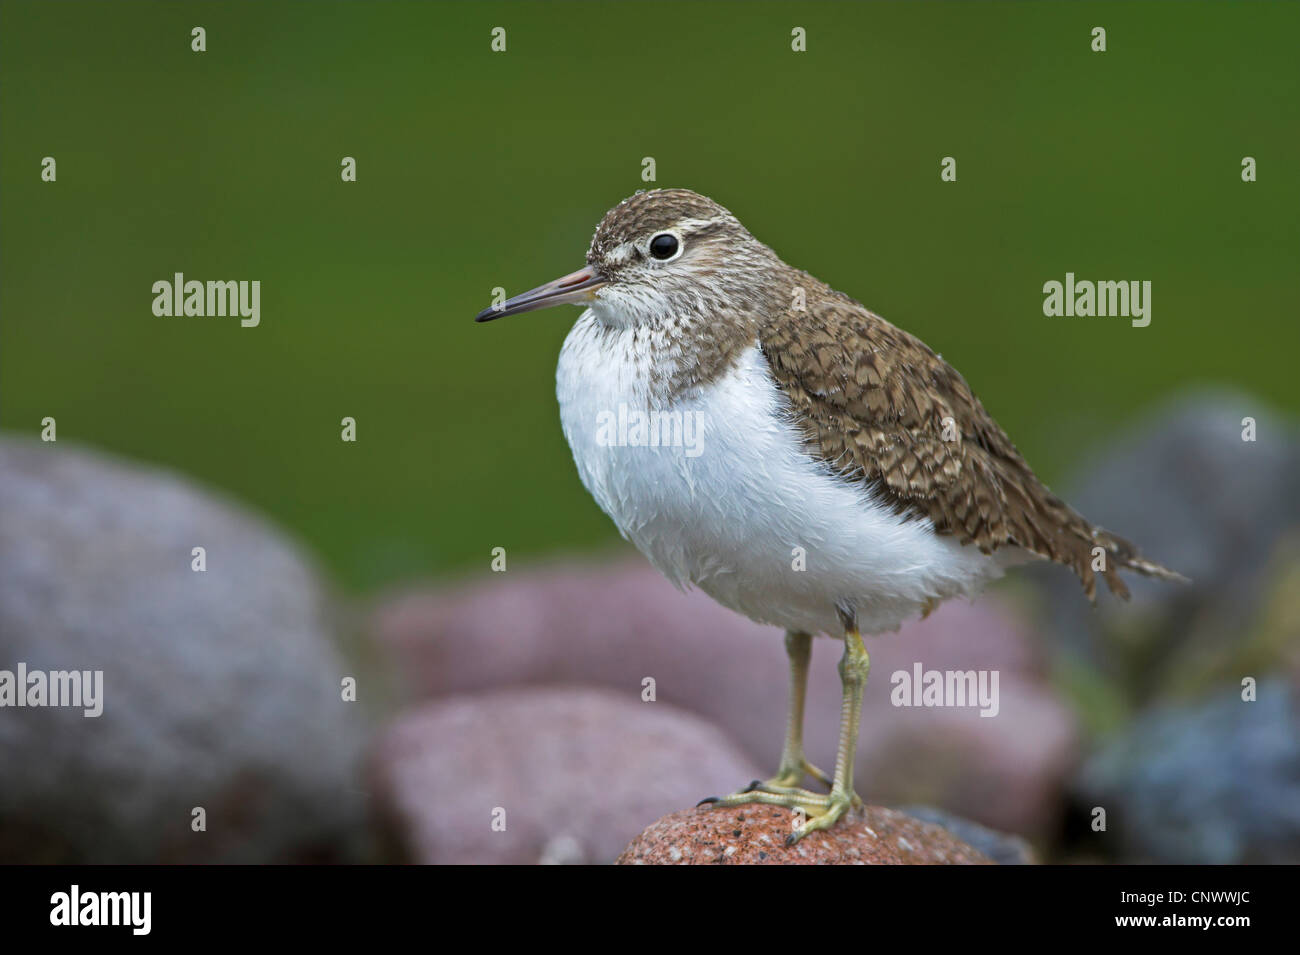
(873, 401)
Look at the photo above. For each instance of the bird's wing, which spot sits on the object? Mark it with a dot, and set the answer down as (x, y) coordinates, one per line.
(880, 407)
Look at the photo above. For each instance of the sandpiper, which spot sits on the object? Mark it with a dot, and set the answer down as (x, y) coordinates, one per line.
(845, 479)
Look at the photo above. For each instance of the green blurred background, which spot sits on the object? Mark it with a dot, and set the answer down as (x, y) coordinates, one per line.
(478, 169)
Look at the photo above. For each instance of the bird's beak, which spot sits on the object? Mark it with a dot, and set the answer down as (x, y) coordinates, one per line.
(571, 289)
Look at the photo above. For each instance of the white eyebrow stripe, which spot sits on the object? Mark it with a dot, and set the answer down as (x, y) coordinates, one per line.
(626, 251)
(689, 224)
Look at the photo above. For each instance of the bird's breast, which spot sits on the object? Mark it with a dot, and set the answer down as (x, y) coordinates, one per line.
(674, 469)
(715, 487)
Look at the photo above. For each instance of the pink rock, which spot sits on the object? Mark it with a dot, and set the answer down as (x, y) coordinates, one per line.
(573, 773)
(616, 625)
(755, 835)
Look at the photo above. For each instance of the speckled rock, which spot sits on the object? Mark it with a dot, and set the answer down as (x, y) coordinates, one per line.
(619, 623)
(221, 689)
(554, 775)
(755, 835)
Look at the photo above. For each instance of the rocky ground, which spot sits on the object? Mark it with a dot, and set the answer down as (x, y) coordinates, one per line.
(553, 714)
(756, 835)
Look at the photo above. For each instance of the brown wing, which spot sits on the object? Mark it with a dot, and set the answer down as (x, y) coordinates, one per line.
(879, 406)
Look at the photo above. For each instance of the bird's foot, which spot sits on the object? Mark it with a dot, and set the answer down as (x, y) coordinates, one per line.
(784, 783)
(836, 805)
(768, 794)
(820, 810)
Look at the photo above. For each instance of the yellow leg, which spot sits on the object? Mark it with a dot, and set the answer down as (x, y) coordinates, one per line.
(793, 766)
(798, 647)
(782, 790)
(854, 667)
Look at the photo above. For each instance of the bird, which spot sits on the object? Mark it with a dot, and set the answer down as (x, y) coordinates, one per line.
(841, 478)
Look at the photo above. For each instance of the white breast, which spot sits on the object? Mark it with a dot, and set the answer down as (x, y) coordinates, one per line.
(732, 506)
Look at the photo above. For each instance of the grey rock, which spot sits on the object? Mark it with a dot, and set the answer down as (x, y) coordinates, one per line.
(554, 775)
(1003, 848)
(1211, 782)
(221, 689)
(1184, 487)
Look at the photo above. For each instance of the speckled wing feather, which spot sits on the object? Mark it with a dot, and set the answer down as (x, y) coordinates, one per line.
(879, 406)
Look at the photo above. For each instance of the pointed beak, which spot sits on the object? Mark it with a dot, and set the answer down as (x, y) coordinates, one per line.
(572, 289)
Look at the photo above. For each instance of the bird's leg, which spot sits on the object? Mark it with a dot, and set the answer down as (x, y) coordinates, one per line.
(798, 647)
(854, 667)
(782, 789)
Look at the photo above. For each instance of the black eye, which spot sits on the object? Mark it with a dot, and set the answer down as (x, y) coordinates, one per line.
(663, 246)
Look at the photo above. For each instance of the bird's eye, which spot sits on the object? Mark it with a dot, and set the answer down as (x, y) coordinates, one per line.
(664, 245)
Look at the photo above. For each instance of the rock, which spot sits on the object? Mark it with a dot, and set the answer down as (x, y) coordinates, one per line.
(755, 835)
(220, 689)
(1000, 847)
(1185, 487)
(617, 624)
(1215, 782)
(1277, 629)
(573, 773)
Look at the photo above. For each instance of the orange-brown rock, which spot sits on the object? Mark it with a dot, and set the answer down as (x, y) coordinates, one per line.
(755, 835)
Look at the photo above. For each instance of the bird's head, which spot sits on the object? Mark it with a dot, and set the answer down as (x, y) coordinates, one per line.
(659, 256)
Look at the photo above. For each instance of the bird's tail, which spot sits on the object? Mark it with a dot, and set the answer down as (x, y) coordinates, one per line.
(1123, 555)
